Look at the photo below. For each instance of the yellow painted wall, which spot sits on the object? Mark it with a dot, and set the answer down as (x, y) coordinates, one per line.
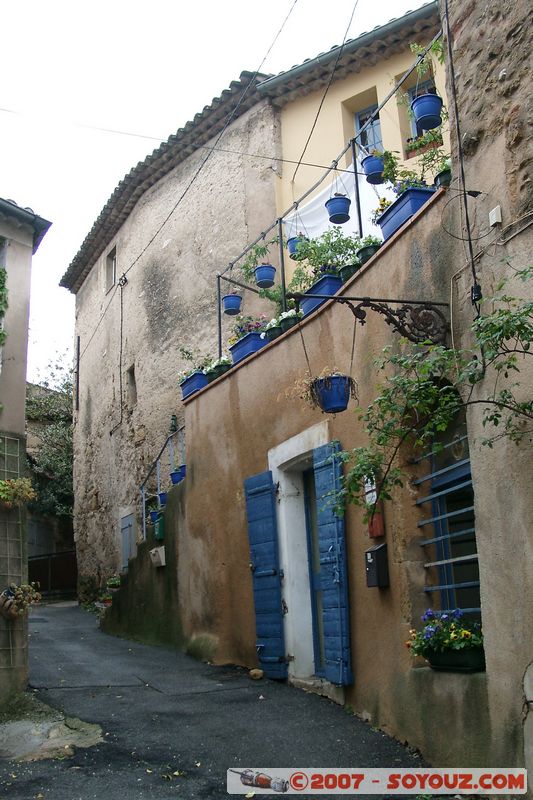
(336, 123)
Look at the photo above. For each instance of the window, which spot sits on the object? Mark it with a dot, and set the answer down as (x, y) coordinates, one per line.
(452, 572)
(370, 138)
(425, 87)
(111, 269)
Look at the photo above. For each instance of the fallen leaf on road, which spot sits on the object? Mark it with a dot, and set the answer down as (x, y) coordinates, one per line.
(12, 775)
(261, 697)
(198, 763)
(149, 771)
(178, 773)
(39, 796)
(167, 777)
(250, 794)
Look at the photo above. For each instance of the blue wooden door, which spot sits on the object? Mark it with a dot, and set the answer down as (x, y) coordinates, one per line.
(333, 571)
(264, 563)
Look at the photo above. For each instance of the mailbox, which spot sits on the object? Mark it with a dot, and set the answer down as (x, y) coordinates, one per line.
(376, 565)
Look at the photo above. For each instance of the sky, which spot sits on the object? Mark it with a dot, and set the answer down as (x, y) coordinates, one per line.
(139, 68)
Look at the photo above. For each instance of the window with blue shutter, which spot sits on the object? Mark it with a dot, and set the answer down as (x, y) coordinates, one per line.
(333, 567)
(263, 537)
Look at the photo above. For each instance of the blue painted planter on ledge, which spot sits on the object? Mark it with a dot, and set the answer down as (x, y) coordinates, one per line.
(333, 393)
(407, 204)
(231, 304)
(426, 110)
(264, 276)
(163, 498)
(338, 208)
(328, 284)
(193, 383)
(250, 343)
(373, 168)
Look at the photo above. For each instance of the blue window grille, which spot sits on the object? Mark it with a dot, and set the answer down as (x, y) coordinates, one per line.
(370, 138)
(449, 543)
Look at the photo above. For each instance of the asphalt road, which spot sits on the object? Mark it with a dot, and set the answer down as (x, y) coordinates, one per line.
(162, 713)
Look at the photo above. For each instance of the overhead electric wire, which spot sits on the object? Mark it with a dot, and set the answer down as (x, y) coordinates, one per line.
(313, 126)
(229, 120)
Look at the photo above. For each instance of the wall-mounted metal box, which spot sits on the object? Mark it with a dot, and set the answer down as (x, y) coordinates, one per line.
(377, 566)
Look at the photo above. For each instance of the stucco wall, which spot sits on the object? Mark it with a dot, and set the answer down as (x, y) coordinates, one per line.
(233, 424)
(492, 57)
(14, 351)
(169, 301)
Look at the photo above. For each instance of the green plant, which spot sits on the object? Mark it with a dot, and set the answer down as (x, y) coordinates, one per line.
(444, 631)
(197, 362)
(3, 301)
(383, 205)
(16, 492)
(332, 249)
(113, 582)
(426, 386)
(49, 405)
(371, 241)
(425, 65)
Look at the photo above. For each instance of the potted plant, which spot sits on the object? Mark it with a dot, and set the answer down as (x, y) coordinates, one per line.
(449, 642)
(17, 598)
(16, 492)
(293, 246)
(330, 391)
(265, 275)
(272, 329)
(321, 259)
(246, 337)
(231, 303)
(443, 178)
(193, 378)
(217, 368)
(113, 583)
(338, 207)
(426, 110)
(369, 246)
(162, 498)
(373, 167)
(288, 319)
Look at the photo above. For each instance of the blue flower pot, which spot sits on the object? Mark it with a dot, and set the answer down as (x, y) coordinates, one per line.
(163, 498)
(175, 477)
(426, 110)
(328, 284)
(250, 343)
(338, 208)
(407, 204)
(193, 383)
(333, 393)
(153, 516)
(231, 304)
(292, 246)
(264, 276)
(182, 470)
(373, 169)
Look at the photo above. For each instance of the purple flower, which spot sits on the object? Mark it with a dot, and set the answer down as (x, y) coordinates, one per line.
(429, 631)
(457, 613)
(428, 615)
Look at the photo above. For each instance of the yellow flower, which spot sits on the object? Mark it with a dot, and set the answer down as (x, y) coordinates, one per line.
(453, 636)
(466, 634)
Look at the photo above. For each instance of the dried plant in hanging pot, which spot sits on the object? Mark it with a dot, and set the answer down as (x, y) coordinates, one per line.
(330, 391)
(16, 492)
(16, 599)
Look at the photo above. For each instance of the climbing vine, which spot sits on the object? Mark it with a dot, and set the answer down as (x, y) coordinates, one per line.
(426, 386)
(3, 295)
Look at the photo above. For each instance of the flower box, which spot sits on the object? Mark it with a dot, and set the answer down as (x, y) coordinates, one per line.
(328, 284)
(469, 659)
(193, 383)
(250, 343)
(407, 204)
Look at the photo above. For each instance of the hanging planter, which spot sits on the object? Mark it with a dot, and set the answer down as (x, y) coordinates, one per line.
(328, 284)
(248, 344)
(193, 383)
(7, 607)
(292, 246)
(338, 207)
(407, 204)
(373, 167)
(265, 275)
(332, 393)
(163, 498)
(153, 515)
(426, 110)
(231, 304)
(175, 477)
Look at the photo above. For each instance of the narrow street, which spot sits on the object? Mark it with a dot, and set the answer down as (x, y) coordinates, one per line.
(171, 725)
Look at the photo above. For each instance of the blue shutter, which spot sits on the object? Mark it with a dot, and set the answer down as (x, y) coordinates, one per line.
(263, 536)
(335, 608)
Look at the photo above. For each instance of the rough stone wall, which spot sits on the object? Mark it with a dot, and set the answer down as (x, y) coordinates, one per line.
(492, 58)
(169, 301)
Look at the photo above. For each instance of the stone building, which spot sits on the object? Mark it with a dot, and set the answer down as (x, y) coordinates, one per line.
(145, 276)
(21, 232)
